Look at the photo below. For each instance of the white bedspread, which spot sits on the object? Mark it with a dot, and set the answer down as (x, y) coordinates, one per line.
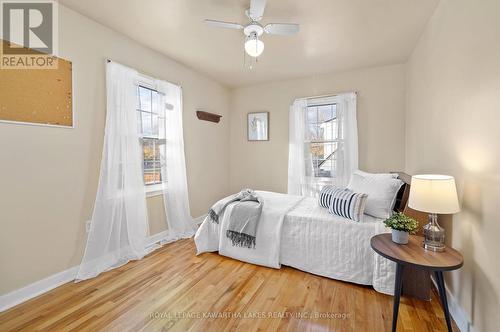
(318, 242)
(310, 239)
(268, 238)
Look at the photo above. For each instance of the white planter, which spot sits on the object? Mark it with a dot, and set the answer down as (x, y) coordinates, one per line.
(400, 237)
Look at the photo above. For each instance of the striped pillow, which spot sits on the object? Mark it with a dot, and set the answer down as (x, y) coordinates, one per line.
(325, 195)
(343, 202)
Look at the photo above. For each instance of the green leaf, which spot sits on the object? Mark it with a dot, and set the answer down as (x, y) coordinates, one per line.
(400, 222)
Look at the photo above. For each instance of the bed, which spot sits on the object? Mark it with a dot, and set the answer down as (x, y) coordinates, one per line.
(315, 241)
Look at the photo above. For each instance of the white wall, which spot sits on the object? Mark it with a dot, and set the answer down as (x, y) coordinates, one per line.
(450, 89)
(48, 178)
(381, 121)
(453, 127)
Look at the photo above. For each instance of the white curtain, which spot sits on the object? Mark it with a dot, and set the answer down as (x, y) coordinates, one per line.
(298, 181)
(301, 180)
(348, 157)
(173, 170)
(119, 224)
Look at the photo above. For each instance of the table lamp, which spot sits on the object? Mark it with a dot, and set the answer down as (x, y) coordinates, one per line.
(433, 194)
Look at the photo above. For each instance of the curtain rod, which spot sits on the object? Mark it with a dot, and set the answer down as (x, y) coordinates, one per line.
(325, 96)
(108, 60)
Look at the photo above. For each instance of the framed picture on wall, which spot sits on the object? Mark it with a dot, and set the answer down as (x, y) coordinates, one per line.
(258, 126)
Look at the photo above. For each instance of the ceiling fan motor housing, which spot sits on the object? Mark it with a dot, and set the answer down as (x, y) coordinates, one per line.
(254, 46)
(253, 28)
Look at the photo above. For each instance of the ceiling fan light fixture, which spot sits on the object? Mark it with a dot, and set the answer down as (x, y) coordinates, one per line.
(253, 30)
(254, 46)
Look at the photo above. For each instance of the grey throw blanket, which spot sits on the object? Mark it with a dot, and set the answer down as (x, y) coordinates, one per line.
(243, 221)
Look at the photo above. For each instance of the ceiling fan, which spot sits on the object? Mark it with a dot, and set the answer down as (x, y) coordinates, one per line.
(253, 30)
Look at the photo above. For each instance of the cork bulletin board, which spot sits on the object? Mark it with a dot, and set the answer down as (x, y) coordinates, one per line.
(37, 96)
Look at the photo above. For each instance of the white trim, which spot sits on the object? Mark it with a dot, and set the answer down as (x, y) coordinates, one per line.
(146, 77)
(39, 287)
(456, 311)
(26, 293)
(156, 238)
(154, 190)
(146, 81)
(311, 102)
(37, 124)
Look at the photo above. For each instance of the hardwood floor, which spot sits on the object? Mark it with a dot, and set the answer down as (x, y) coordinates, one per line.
(172, 289)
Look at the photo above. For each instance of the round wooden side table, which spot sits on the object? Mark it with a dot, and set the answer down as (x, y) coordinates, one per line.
(413, 254)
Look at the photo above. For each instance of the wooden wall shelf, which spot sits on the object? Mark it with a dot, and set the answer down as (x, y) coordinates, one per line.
(208, 116)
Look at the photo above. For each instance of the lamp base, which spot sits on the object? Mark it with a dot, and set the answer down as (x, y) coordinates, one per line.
(433, 235)
(430, 247)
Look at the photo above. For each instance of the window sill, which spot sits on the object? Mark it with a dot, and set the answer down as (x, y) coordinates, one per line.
(154, 190)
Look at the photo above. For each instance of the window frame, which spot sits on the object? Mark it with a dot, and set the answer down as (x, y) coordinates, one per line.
(152, 189)
(316, 102)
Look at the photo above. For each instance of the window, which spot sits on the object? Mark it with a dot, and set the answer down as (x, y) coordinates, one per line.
(150, 119)
(323, 139)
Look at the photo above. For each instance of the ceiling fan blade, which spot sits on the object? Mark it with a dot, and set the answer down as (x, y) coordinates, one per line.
(257, 9)
(281, 28)
(226, 25)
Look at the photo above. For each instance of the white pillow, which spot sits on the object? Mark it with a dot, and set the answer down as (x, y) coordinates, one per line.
(381, 189)
(382, 175)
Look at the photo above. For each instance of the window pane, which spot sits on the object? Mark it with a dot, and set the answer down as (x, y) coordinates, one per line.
(148, 155)
(148, 148)
(321, 132)
(151, 123)
(325, 113)
(149, 165)
(149, 177)
(152, 164)
(157, 178)
(317, 151)
(147, 128)
(322, 123)
(324, 159)
(312, 132)
(145, 99)
(312, 114)
(328, 130)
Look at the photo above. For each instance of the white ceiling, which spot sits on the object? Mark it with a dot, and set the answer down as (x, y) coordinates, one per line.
(335, 35)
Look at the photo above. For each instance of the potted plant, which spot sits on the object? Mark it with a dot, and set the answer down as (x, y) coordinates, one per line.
(401, 226)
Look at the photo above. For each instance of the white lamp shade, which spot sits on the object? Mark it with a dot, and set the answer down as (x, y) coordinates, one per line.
(434, 194)
(254, 47)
